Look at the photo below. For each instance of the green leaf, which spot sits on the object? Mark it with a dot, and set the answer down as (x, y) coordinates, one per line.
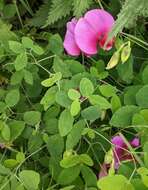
(65, 122)
(116, 103)
(5, 132)
(62, 99)
(142, 97)
(60, 66)
(86, 159)
(75, 67)
(144, 175)
(70, 161)
(16, 47)
(10, 163)
(54, 167)
(9, 11)
(144, 113)
(32, 117)
(89, 177)
(6, 34)
(113, 61)
(49, 97)
(51, 125)
(86, 87)
(17, 77)
(16, 128)
(100, 101)
(137, 183)
(37, 49)
(27, 42)
(123, 116)
(125, 71)
(35, 142)
(20, 157)
(21, 61)
(80, 6)
(2, 107)
(4, 170)
(12, 98)
(130, 94)
(55, 145)
(56, 44)
(73, 94)
(145, 75)
(119, 182)
(75, 107)
(28, 77)
(30, 179)
(107, 90)
(75, 135)
(55, 78)
(62, 8)
(68, 175)
(138, 119)
(91, 113)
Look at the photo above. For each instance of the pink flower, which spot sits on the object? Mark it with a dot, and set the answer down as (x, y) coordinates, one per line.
(120, 154)
(88, 32)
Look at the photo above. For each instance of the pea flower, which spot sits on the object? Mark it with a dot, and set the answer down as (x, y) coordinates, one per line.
(120, 153)
(89, 32)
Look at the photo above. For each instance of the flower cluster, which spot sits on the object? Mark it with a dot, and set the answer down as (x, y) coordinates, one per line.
(89, 32)
(120, 153)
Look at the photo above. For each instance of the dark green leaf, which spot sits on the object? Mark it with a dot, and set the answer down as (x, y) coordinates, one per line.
(65, 123)
(86, 87)
(91, 113)
(67, 176)
(123, 116)
(30, 179)
(32, 117)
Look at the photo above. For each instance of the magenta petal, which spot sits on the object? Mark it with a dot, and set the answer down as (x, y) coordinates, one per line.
(118, 150)
(118, 142)
(135, 142)
(69, 41)
(100, 20)
(85, 37)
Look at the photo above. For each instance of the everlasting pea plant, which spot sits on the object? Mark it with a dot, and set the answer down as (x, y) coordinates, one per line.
(89, 32)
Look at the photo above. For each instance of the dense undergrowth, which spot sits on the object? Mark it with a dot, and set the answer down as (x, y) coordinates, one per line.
(68, 122)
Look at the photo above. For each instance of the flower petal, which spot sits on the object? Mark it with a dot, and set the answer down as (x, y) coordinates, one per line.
(69, 41)
(135, 142)
(86, 37)
(100, 20)
(118, 150)
(92, 28)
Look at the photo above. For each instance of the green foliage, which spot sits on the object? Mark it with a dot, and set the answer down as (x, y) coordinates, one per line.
(131, 10)
(30, 179)
(52, 11)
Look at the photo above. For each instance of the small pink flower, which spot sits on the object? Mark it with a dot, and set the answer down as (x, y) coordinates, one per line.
(120, 154)
(88, 32)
